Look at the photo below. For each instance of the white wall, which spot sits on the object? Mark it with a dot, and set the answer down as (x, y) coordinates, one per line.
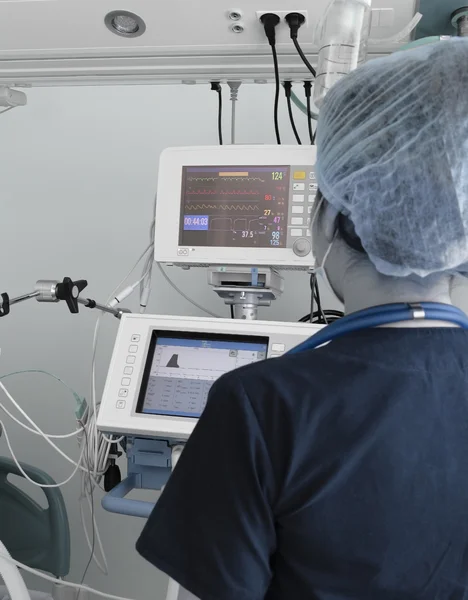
(78, 172)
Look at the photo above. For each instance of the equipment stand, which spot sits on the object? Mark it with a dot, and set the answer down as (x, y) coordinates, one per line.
(246, 288)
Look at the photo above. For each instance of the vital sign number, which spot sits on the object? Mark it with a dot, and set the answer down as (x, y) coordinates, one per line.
(277, 176)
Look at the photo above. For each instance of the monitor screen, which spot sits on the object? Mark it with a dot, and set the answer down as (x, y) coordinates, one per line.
(181, 368)
(234, 206)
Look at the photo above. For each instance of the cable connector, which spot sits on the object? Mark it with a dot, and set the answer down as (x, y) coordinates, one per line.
(269, 22)
(234, 87)
(288, 91)
(121, 296)
(216, 87)
(295, 22)
(81, 409)
(144, 298)
(12, 98)
(308, 94)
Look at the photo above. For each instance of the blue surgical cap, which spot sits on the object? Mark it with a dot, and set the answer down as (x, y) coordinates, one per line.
(393, 156)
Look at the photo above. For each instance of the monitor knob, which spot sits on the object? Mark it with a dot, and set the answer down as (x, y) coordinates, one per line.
(302, 247)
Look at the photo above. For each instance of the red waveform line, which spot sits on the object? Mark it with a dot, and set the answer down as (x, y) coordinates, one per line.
(223, 207)
(224, 193)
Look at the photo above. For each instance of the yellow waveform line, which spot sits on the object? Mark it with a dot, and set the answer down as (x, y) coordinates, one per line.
(222, 207)
(202, 178)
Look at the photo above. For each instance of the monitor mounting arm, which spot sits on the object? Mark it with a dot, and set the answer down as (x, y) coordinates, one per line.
(55, 291)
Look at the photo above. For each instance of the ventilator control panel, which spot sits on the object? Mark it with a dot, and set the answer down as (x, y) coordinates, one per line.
(236, 205)
(163, 368)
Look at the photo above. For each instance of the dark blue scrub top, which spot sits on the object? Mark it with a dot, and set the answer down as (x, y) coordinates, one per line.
(335, 474)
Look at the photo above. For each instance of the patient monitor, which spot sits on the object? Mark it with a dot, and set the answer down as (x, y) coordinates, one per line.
(163, 367)
(236, 205)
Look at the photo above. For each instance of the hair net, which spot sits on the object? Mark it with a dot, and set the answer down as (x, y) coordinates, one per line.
(393, 156)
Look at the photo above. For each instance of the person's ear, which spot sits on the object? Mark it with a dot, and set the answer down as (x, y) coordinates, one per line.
(329, 221)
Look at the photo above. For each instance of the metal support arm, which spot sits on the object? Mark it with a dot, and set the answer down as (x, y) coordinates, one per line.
(47, 290)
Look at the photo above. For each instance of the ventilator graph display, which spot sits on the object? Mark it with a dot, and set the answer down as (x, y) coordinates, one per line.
(235, 206)
(181, 370)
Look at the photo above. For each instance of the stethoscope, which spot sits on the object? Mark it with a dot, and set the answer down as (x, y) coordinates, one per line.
(384, 315)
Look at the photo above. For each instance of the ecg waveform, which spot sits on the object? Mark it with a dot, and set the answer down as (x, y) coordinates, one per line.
(259, 179)
(224, 193)
(242, 207)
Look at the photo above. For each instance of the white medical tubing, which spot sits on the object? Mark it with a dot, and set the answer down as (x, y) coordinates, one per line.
(76, 586)
(28, 418)
(26, 476)
(59, 436)
(401, 35)
(15, 585)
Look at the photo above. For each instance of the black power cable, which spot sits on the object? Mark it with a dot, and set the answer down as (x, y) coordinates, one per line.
(320, 316)
(269, 22)
(308, 93)
(332, 316)
(319, 302)
(295, 20)
(277, 94)
(287, 89)
(312, 280)
(216, 87)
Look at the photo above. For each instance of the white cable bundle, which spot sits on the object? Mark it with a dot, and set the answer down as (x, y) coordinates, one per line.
(94, 446)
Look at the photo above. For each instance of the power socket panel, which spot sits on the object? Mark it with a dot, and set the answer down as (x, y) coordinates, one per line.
(282, 14)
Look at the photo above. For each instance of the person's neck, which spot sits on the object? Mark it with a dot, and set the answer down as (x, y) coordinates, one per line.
(364, 287)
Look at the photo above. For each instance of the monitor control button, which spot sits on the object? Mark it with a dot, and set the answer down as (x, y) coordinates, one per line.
(120, 404)
(126, 381)
(135, 338)
(298, 187)
(302, 247)
(130, 360)
(299, 175)
(133, 349)
(277, 347)
(123, 393)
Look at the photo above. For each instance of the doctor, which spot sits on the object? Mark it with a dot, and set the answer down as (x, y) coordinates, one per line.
(342, 473)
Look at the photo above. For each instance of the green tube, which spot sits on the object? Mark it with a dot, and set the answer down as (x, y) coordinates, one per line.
(422, 42)
(302, 107)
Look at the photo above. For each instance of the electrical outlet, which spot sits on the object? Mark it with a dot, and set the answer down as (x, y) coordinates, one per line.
(282, 14)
